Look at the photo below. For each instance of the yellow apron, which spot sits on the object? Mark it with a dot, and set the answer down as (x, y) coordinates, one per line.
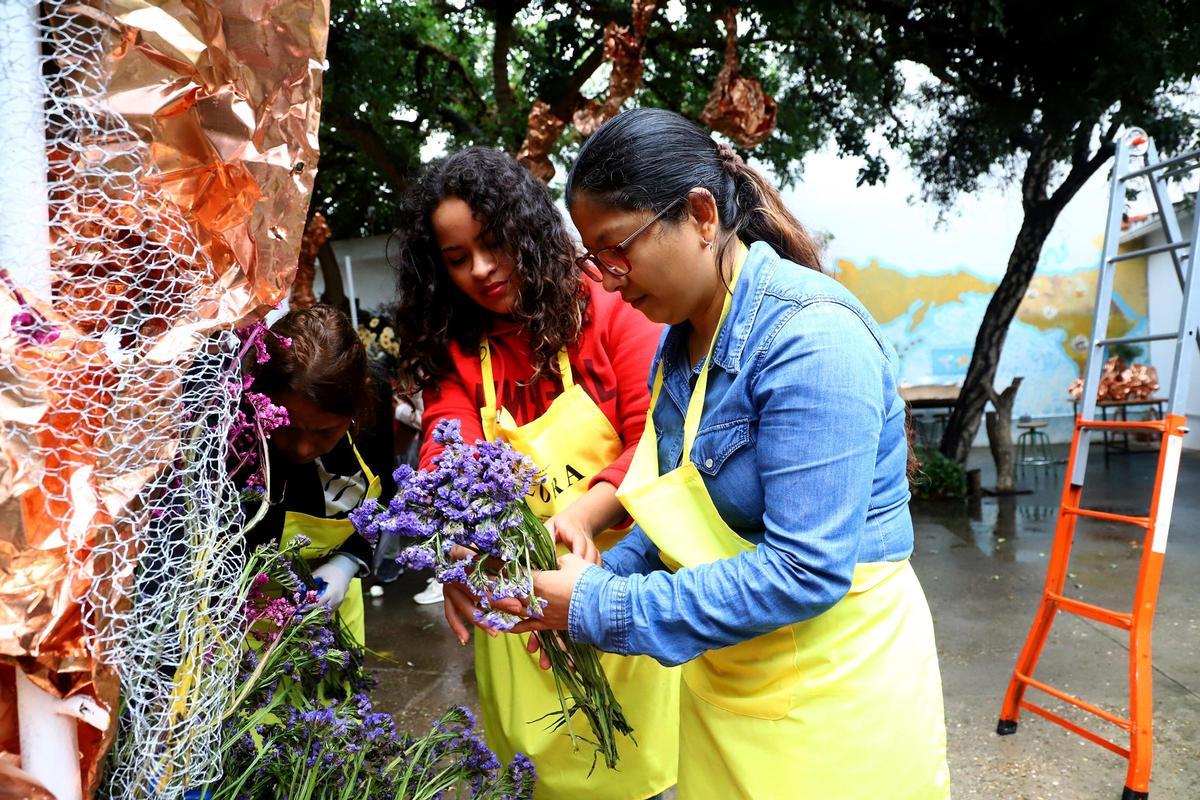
(847, 705)
(571, 443)
(326, 536)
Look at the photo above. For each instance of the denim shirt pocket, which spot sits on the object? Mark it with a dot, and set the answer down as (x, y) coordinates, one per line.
(715, 443)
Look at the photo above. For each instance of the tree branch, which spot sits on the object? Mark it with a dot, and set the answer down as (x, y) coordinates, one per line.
(462, 124)
(427, 49)
(372, 144)
(505, 13)
(565, 106)
(1037, 174)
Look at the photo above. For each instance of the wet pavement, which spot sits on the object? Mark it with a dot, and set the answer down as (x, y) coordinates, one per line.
(982, 564)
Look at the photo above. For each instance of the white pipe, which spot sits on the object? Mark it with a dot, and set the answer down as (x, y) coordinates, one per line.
(49, 740)
(350, 293)
(24, 212)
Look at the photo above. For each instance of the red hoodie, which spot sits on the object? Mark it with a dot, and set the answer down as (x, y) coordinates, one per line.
(611, 361)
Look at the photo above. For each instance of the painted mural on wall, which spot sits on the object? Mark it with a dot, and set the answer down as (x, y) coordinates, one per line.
(932, 317)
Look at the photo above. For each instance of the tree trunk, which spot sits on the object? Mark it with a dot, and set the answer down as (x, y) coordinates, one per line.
(1041, 210)
(335, 292)
(1022, 262)
(999, 431)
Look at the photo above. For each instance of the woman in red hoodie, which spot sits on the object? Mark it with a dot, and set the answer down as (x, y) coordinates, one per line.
(498, 329)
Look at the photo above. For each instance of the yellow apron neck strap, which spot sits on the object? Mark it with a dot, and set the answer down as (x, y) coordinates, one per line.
(370, 476)
(485, 366)
(691, 420)
(489, 383)
(564, 369)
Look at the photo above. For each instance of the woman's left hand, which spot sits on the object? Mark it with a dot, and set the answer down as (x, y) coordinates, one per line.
(336, 574)
(556, 588)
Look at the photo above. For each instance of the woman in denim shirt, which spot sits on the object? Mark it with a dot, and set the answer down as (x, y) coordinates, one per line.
(773, 533)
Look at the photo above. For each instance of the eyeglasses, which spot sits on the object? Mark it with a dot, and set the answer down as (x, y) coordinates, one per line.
(613, 260)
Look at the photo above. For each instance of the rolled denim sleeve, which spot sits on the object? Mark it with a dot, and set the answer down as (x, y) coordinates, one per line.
(598, 613)
(817, 392)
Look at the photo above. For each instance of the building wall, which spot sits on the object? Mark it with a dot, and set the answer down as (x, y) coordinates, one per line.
(374, 282)
(932, 319)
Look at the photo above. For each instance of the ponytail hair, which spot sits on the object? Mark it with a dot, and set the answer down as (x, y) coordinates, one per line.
(646, 159)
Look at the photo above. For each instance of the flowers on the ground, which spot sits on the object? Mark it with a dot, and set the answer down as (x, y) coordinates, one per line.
(303, 725)
(473, 497)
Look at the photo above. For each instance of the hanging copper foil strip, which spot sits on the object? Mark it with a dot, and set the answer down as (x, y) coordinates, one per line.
(738, 107)
(316, 234)
(544, 130)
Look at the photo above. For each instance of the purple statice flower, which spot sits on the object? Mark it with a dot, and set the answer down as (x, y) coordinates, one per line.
(471, 496)
(33, 328)
(268, 415)
(255, 336)
(522, 775)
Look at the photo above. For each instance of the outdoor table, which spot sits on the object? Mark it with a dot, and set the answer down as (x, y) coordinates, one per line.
(931, 396)
(1118, 441)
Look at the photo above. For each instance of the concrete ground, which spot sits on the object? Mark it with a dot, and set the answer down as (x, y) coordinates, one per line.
(982, 564)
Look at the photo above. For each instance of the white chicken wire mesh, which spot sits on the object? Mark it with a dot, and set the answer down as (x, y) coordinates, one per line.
(136, 422)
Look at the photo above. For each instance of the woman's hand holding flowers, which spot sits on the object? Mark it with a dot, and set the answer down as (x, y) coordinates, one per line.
(575, 536)
(467, 518)
(553, 586)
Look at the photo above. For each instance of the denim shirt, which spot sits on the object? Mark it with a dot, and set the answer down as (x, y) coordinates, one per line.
(803, 450)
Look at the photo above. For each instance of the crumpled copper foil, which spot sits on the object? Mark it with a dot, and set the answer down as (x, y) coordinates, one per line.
(738, 107)
(544, 130)
(623, 49)
(316, 234)
(1120, 382)
(41, 630)
(228, 93)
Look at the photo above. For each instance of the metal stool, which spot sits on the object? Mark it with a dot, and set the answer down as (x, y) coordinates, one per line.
(1033, 445)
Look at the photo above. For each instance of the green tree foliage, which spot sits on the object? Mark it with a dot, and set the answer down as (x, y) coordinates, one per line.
(405, 73)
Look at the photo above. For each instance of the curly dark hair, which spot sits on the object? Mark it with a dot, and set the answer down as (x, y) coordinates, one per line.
(516, 210)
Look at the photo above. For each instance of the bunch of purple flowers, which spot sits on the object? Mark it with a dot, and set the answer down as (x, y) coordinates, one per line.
(257, 416)
(303, 725)
(473, 497)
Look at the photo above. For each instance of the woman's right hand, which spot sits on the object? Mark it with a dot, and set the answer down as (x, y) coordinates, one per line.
(460, 605)
(575, 536)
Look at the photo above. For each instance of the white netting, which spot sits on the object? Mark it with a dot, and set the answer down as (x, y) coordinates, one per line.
(134, 439)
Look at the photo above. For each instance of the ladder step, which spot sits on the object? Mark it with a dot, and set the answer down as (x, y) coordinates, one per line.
(1141, 522)
(1148, 251)
(1108, 716)
(1079, 729)
(1170, 162)
(1114, 618)
(1118, 425)
(1149, 337)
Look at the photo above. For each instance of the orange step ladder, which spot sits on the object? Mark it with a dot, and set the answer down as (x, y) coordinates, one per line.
(1170, 430)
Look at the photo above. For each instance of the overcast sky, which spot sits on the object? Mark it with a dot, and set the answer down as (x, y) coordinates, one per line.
(891, 223)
